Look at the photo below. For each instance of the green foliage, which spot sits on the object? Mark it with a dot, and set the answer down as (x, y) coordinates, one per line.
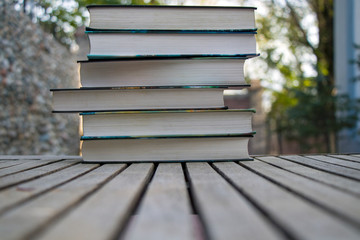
(61, 18)
(303, 115)
(307, 109)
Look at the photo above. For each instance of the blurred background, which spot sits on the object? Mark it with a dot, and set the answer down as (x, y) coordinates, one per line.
(305, 84)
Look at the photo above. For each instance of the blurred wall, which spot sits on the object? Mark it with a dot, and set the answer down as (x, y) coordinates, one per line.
(32, 62)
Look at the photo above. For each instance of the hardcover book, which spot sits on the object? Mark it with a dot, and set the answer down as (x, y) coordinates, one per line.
(111, 44)
(137, 98)
(166, 149)
(169, 71)
(171, 122)
(171, 17)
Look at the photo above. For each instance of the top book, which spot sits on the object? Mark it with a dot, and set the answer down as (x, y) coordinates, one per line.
(150, 17)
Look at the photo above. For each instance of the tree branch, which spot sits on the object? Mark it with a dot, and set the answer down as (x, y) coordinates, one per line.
(296, 18)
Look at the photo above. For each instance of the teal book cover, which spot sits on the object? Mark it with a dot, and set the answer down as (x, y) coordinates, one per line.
(249, 134)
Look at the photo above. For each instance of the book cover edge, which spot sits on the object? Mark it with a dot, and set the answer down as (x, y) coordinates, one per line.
(89, 30)
(244, 135)
(168, 111)
(94, 57)
(140, 88)
(167, 6)
(112, 58)
(168, 161)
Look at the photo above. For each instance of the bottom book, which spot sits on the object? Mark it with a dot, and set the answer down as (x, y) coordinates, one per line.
(166, 148)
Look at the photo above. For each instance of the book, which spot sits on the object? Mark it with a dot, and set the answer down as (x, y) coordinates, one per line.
(170, 122)
(112, 44)
(173, 71)
(166, 148)
(171, 17)
(137, 98)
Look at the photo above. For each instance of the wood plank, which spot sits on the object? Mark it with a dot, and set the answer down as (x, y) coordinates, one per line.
(36, 214)
(165, 211)
(300, 218)
(63, 157)
(328, 167)
(21, 177)
(347, 157)
(20, 193)
(25, 166)
(106, 211)
(336, 161)
(346, 184)
(10, 163)
(337, 202)
(226, 213)
(39, 157)
(17, 157)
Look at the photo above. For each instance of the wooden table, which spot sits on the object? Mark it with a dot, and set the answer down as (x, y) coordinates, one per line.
(286, 197)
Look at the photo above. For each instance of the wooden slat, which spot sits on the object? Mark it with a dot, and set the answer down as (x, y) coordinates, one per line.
(20, 193)
(226, 213)
(25, 166)
(340, 182)
(336, 161)
(165, 211)
(63, 157)
(101, 215)
(10, 163)
(17, 157)
(328, 167)
(345, 205)
(25, 221)
(20, 177)
(347, 157)
(300, 218)
(39, 157)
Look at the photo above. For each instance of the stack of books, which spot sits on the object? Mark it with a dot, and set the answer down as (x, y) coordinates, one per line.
(152, 87)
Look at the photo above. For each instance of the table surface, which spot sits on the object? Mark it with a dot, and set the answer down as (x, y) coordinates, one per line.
(283, 197)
